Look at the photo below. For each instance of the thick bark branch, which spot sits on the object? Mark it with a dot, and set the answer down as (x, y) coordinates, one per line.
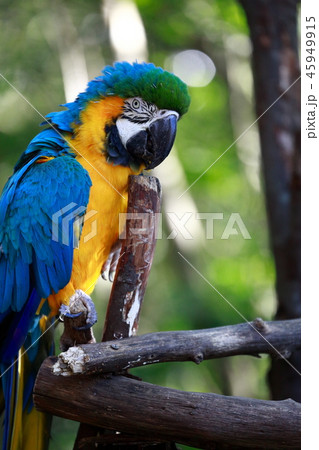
(197, 419)
(135, 258)
(278, 338)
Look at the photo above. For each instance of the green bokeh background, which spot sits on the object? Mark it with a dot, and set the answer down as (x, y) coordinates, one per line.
(240, 269)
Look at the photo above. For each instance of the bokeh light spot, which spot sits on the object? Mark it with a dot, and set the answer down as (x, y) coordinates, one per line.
(194, 67)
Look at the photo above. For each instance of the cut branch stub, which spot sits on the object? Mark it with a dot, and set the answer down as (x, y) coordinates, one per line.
(135, 258)
(75, 331)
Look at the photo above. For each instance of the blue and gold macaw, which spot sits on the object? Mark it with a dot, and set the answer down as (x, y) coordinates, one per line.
(72, 173)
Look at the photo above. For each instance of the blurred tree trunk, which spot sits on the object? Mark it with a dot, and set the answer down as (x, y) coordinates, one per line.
(273, 29)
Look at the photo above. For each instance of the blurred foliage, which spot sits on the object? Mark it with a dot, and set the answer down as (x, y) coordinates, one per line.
(241, 270)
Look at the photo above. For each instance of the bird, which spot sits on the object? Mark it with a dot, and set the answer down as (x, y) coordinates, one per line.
(59, 217)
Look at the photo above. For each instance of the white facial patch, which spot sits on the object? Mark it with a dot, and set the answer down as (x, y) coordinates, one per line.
(127, 129)
(137, 116)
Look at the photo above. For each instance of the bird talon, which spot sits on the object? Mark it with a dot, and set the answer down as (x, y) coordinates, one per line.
(73, 316)
(109, 267)
(85, 327)
(65, 312)
(91, 318)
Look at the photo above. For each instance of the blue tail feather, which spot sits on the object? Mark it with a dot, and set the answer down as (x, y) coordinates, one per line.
(17, 329)
(8, 382)
(18, 326)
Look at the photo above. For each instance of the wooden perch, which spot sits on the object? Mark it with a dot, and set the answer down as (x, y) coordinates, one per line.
(242, 339)
(121, 403)
(135, 258)
(134, 264)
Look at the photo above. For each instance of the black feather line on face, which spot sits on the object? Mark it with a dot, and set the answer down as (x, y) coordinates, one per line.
(143, 113)
(137, 119)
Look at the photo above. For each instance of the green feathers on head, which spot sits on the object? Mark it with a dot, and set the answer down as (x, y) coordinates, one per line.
(125, 80)
(152, 83)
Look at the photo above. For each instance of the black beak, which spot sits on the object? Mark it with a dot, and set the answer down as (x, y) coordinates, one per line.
(153, 145)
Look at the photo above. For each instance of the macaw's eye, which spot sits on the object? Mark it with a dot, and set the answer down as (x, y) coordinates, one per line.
(136, 104)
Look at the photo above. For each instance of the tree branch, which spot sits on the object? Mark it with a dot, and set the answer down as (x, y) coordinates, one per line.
(134, 264)
(273, 29)
(197, 419)
(279, 338)
(135, 259)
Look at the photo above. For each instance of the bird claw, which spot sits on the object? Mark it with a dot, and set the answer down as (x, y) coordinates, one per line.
(65, 312)
(87, 302)
(109, 267)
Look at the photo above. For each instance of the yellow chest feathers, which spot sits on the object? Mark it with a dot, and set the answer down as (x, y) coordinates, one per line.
(108, 194)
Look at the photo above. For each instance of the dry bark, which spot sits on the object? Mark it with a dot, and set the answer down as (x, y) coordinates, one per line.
(134, 264)
(135, 260)
(202, 420)
(279, 338)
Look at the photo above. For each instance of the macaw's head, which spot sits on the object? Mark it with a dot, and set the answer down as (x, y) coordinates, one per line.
(129, 113)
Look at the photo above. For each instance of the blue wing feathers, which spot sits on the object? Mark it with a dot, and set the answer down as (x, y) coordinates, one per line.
(40, 244)
(32, 263)
(7, 276)
(41, 278)
(33, 194)
(17, 328)
(21, 286)
(10, 188)
(3, 270)
(25, 249)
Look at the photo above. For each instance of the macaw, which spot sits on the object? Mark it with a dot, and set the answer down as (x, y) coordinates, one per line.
(76, 168)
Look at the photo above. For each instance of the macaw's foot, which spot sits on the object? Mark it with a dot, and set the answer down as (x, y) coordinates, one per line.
(65, 312)
(78, 318)
(109, 267)
(80, 303)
